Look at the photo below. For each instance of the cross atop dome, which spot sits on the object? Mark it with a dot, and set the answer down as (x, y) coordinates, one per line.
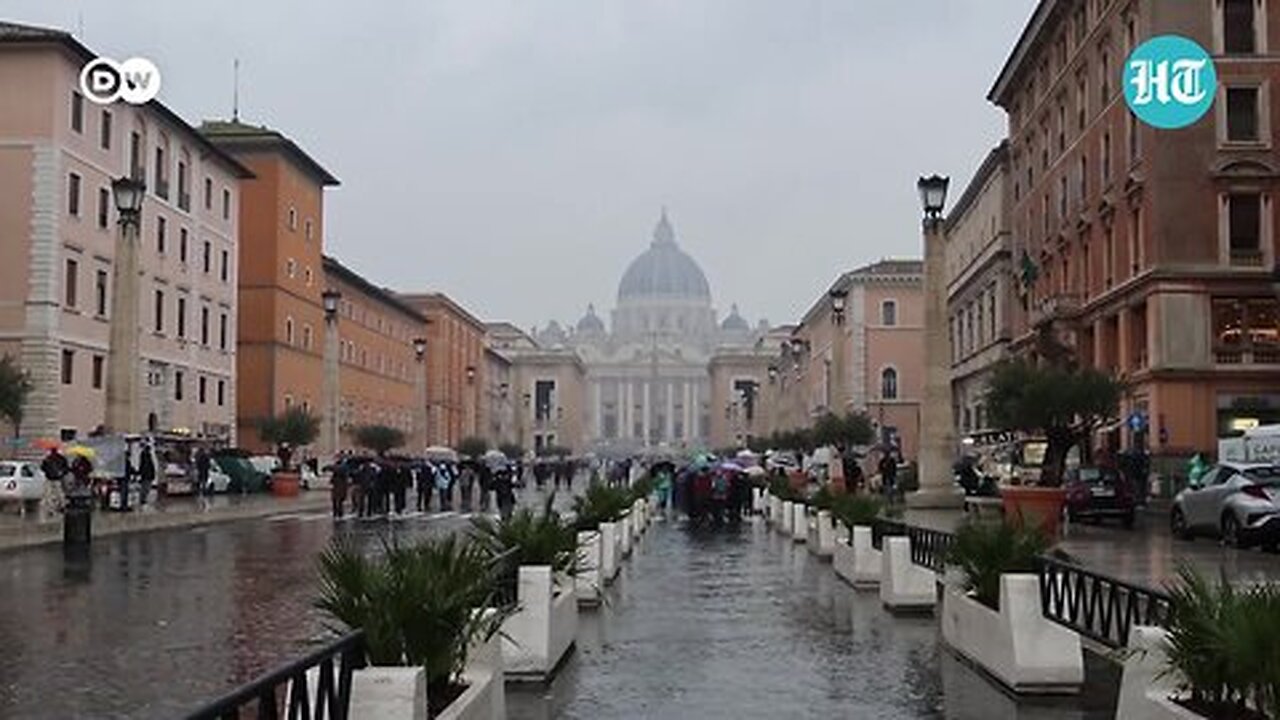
(664, 234)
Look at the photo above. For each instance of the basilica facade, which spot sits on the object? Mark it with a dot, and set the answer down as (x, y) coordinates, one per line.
(648, 368)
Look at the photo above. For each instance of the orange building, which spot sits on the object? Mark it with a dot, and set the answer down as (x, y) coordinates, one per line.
(456, 369)
(279, 335)
(379, 376)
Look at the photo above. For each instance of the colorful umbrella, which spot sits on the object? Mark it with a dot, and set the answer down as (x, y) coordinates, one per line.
(82, 451)
(45, 444)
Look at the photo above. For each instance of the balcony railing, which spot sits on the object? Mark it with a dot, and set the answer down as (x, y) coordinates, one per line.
(1058, 306)
(1246, 257)
(287, 693)
(1255, 355)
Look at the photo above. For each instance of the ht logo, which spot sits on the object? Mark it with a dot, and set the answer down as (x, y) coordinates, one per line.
(135, 81)
(1170, 82)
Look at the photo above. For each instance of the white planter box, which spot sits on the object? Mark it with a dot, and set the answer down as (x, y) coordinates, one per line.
(785, 518)
(1017, 645)
(624, 534)
(587, 581)
(610, 551)
(638, 520)
(757, 501)
(394, 693)
(542, 630)
(867, 560)
(800, 522)
(904, 587)
(842, 560)
(824, 543)
(1145, 688)
(485, 697)
(773, 509)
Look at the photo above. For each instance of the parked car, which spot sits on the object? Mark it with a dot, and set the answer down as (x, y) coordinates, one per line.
(1098, 493)
(22, 483)
(1238, 502)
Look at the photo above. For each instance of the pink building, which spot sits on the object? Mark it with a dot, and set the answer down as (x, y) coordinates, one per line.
(59, 153)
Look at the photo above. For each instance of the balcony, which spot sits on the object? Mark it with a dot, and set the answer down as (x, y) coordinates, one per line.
(1256, 355)
(184, 201)
(162, 188)
(1059, 306)
(1246, 257)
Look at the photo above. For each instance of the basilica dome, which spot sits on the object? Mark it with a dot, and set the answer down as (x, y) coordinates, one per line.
(664, 271)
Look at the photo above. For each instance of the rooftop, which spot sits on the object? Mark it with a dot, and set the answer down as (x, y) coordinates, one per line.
(234, 135)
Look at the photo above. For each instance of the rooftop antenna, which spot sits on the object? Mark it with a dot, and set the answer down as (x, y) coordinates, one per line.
(80, 25)
(235, 95)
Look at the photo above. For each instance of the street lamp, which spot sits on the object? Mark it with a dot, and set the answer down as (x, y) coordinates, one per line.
(124, 355)
(773, 373)
(128, 194)
(839, 296)
(933, 195)
(471, 374)
(329, 300)
(420, 348)
(420, 391)
(330, 421)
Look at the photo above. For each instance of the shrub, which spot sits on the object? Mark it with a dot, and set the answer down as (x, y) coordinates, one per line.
(529, 538)
(473, 447)
(1222, 645)
(644, 487)
(288, 431)
(822, 499)
(985, 551)
(857, 509)
(418, 605)
(600, 503)
(781, 488)
(381, 439)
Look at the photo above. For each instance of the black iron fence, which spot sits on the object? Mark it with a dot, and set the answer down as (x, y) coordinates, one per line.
(1098, 606)
(929, 547)
(882, 529)
(288, 692)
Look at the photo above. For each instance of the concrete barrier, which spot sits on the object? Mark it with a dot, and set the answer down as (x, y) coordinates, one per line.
(1146, 688)
(1017, 645)
(485, 697)
(800, 522)
(389, 692)
(905, 587)
(825, 535)
(624, 535)
(867, 561)
(587, 581)
(610, 551)
(786, 518)
(542, 630)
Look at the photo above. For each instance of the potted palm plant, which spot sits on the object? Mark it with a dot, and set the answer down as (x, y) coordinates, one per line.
(855, 558)
(538, 554)
(597, 515)
(423, 608)
(288, 431)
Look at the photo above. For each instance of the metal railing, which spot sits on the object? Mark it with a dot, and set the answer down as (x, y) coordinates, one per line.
(929, 547)
(286, 692)
(1098, 606)
(886, 528)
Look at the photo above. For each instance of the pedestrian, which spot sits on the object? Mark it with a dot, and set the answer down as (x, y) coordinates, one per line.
(202, 472)
(889, 475)
(338, 488)
(423, 479)
(443, 482)
(368, 477)
(146, 473)
(505, 493)
(389, 479)
(401, 483)
(540, 473)
(486, 485)
(467, 481)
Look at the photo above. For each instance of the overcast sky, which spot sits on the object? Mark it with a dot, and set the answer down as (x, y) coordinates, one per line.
(515, 154)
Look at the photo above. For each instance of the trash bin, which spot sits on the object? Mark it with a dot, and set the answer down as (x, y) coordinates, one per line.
(77, 522)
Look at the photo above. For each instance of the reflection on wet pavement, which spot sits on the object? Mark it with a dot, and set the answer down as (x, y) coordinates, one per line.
(745, 624)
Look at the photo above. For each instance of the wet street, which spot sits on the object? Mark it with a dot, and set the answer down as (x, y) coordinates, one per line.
(699, 624)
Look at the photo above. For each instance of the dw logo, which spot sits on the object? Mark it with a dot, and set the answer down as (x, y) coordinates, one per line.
(135, 81)
(1170, 82)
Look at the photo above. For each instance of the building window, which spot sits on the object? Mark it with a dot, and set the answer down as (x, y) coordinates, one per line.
(1244, 228)
(1242, 114)
(182, 245)
(100, 293)
(97, 372)
(1239, 33)
(307, 274)
(208, 193)
(288, 331)
(158, 325)
(889, 384)
(293, 218)
(207, 257)
(226, 266)
(104, 207)
(1104, 79)
(162, 183)
(1062, 196)
(70, 283)
(135, 157)
(889, 312)
(222, 392)
(162, 227)
(204, 326)
(182, 317)
(1106, 158)
(1134, 137)
(1084, 179)
(1109, 257)
(104, 131)
(1082, 99)
(73, 194)
(202, 390)
(177, 384)
(226, 204)
(1246, 325)
(68, 366)
(184, 194)
(308, 230)
(1135, 241)
(291, 268)
(77, 112)
(306, 336)
(222, 331)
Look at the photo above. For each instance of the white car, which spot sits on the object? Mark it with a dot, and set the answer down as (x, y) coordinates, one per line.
(21, 482)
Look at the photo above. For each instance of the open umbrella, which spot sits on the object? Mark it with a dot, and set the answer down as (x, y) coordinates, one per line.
(731, 466)
(45, 444)
(494, 455)
(440, 452)
(82, 451)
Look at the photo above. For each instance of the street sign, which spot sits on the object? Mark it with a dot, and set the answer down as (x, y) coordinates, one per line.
(1137, 421)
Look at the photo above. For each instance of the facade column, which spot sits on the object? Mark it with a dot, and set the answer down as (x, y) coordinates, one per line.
(936, 444)
(670, 431)
(648, 410)
(628, 413)
(330, 421)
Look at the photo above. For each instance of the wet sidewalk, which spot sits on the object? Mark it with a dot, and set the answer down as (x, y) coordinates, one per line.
(746, 624)
(19, 532)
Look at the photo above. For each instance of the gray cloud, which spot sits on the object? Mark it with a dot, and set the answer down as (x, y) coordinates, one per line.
(515, 153)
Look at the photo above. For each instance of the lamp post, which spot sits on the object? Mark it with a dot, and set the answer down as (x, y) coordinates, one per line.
(772, 400)
(420, 391)
(837, 394)
(522, 419)
(472, 402)
(936, 445)
(123, 354)
(331, 420)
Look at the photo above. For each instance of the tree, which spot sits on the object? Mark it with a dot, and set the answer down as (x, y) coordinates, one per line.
(288, 431)
(15, 386)
(511, 450)
(378, 438)
(473, 446)
(1061, 403)
(852, 429)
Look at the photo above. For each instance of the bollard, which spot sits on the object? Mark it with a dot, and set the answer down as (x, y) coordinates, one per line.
(77, 523)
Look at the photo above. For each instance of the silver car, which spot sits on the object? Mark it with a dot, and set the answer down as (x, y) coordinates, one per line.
(1238, 502)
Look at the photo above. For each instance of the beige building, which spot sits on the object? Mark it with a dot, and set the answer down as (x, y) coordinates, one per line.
(498, 407)
(741, 403)
(59, 153)
(980, 288)
(871, 360)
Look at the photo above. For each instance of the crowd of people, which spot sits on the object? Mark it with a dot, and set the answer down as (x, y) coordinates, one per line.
(382, 486)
